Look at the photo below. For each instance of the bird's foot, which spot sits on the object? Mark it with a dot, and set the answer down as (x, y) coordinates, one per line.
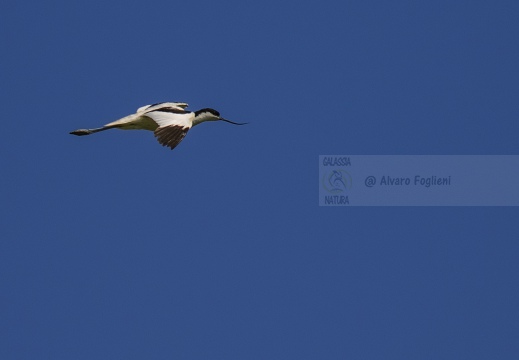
(80, 132)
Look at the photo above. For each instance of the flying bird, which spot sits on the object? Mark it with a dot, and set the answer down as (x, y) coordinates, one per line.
(170, 121)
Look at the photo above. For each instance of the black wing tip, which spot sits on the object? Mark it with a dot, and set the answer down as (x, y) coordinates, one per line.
(171, 136)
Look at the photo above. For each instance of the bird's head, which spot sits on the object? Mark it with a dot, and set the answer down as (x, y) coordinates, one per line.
(208, 114)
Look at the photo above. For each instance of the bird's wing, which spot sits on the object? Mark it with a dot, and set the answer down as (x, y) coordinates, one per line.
(173, 125)
(171, 135)
(171, 116)
(145, 108)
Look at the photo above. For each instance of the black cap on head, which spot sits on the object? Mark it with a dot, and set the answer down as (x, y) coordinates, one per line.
(212, 111)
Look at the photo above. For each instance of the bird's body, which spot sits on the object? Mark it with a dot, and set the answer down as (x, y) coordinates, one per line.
(168, 120)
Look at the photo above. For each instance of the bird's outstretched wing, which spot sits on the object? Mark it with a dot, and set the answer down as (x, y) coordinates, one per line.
(146, 108)
(173, 125)
(171, 135)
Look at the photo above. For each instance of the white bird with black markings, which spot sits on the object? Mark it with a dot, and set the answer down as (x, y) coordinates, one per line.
(168, 120)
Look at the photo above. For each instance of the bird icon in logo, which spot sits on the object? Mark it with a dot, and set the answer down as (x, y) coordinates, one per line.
(336, 181)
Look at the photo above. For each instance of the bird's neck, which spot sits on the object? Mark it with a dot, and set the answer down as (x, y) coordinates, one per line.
(202, 117)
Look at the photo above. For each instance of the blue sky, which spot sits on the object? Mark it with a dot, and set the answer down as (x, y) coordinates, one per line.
(114, 247)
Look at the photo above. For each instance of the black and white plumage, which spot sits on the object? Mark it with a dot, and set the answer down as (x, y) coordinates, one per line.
(168, 120)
